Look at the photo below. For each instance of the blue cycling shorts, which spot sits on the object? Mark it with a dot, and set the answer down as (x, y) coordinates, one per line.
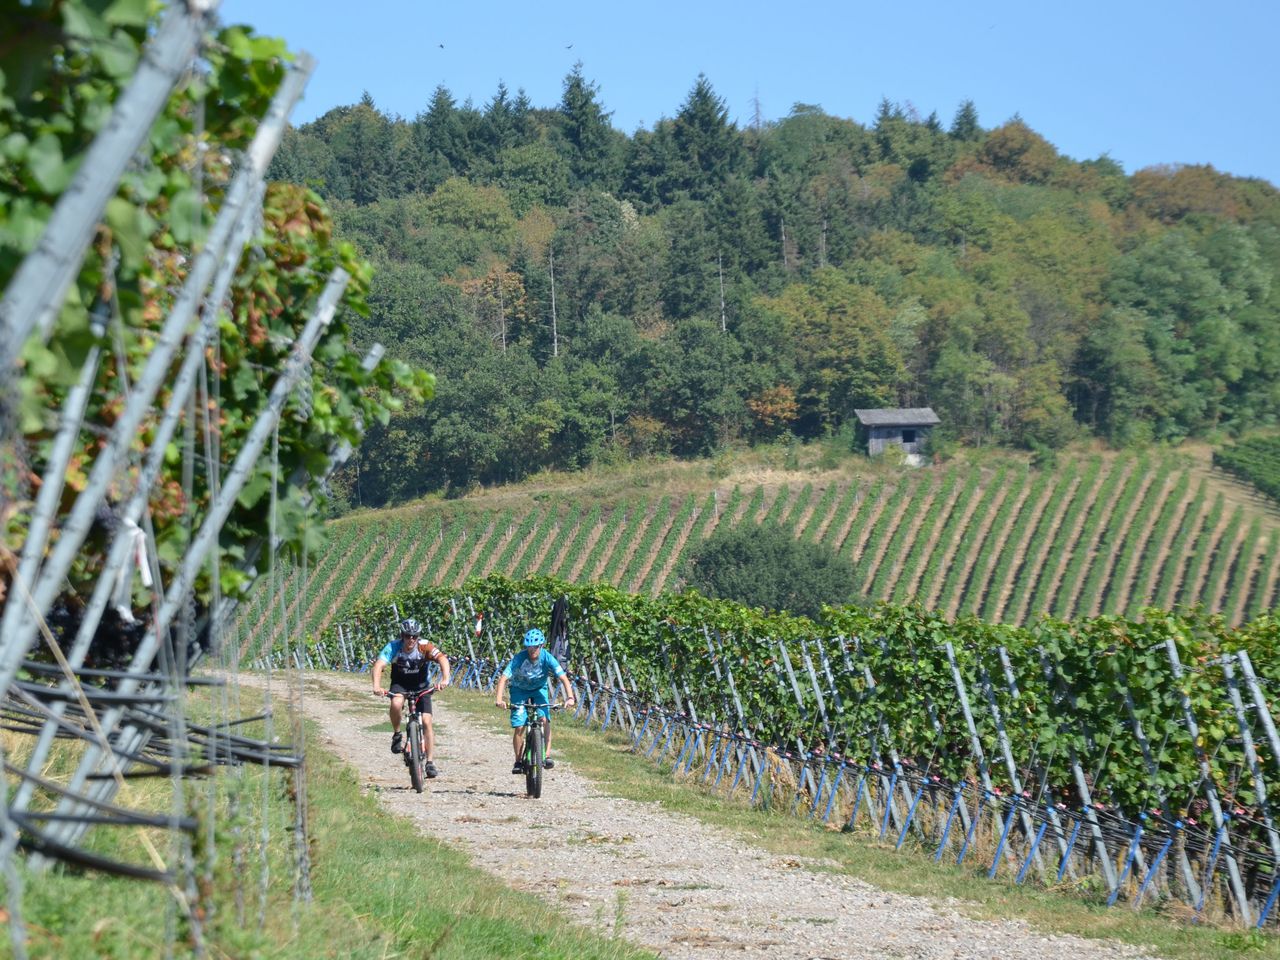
(518, 698)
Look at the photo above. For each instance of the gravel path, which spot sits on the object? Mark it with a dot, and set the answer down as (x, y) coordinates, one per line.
(666, 881)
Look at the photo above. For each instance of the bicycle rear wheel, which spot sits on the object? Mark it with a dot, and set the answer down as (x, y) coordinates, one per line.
(414, 733)
(533, 760)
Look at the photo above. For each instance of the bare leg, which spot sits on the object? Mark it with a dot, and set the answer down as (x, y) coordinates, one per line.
(517, 741)
(397, 706)
(429, 735)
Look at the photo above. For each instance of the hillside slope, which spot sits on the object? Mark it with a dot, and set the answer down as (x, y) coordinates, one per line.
(1097, 533)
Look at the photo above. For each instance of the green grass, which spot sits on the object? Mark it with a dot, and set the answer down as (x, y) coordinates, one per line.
(381, 890)
(606, 760)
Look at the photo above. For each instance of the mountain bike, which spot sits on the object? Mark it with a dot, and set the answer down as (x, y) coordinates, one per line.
(535, 752)
(415, 747)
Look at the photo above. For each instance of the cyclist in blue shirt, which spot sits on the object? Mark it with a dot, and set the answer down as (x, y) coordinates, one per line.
(529, 673)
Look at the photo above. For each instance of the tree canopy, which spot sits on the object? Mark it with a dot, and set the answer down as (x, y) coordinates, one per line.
(762, 565)
(762, 280)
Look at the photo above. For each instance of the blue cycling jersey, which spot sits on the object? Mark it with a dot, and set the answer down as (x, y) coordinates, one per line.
(388, 653)
(529, 675)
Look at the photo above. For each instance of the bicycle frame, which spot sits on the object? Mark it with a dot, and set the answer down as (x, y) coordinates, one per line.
(533, 755)
(415, 746)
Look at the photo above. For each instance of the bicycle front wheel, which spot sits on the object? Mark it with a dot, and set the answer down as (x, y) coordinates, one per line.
(416, 758)
(533, 760)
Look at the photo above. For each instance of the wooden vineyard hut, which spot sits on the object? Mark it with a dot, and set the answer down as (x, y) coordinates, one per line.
(906, 427)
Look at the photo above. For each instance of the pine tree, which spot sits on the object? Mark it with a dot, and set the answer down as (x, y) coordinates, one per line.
(442, 139)
(585, 127)
(498, 130)
(362, 149)
(709, 145)
(965, 125)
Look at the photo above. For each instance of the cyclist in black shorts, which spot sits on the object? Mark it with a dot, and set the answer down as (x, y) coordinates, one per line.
(410, 659)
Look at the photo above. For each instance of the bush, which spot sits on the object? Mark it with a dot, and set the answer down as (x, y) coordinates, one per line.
(1043, 457)
(764, 566)
(939, 447)
(839, 447)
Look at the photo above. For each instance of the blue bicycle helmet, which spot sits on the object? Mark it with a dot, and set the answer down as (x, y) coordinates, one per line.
(534, 638)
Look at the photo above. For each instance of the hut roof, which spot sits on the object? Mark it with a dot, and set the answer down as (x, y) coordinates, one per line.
(898, 417)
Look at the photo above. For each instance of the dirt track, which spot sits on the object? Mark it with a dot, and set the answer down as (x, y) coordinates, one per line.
(666, 881)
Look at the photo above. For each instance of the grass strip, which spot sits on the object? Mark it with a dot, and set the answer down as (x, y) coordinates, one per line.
(380, 889)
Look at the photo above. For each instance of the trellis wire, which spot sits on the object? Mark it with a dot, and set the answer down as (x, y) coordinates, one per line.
(140, 720)
(846, 775)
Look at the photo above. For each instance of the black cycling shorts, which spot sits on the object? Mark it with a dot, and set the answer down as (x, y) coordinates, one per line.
(410, 691)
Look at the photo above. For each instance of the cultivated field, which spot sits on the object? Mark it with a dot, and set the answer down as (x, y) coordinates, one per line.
(1097, 533)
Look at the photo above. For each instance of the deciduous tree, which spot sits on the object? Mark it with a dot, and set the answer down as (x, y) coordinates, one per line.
(764, 566)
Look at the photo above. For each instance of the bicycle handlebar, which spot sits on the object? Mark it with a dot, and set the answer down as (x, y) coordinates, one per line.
(530, 703)
(434, 688)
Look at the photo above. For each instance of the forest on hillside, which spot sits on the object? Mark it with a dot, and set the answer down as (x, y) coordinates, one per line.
(583, 294)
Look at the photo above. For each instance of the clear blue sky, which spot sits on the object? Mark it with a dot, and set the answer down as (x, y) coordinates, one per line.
(1147, 83)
